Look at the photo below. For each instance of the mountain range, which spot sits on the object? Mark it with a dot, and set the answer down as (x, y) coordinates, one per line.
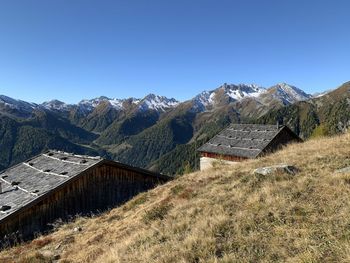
(157, 132)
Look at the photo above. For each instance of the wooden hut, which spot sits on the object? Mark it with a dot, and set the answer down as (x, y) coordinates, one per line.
(245, 141)
(58, 185)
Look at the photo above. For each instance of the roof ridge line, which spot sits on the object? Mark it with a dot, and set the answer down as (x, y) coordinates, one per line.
(241, 138)
(76, 155)
(65, 161)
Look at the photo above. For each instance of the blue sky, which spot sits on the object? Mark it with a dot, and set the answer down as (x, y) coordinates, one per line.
(74, 49)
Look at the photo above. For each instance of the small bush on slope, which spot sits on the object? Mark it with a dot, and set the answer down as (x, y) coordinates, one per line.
(226, 214)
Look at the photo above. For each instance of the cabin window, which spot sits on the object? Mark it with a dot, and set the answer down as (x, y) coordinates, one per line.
(64, 158)
(83, 161)
(31, 164)
(47, 170)
(15, 183)
(50, 154)
(64, 173)
(5, 176)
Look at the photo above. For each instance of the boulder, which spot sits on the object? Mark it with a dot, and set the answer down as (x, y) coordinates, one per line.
(343, 170)
(280, 168)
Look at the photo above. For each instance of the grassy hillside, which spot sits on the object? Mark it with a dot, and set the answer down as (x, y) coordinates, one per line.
(226, 214)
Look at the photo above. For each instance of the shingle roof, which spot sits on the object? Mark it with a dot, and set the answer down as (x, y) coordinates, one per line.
(27, 181)
(242, 140)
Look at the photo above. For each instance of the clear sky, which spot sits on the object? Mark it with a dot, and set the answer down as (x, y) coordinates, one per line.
(75, 49)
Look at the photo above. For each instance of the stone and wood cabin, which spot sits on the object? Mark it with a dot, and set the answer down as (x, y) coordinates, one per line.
(240, 142)
(58, 185)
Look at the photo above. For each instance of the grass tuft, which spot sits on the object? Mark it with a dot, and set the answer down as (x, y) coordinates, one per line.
(157, 213)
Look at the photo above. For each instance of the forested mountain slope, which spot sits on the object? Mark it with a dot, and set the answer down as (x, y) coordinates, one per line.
(325, 115)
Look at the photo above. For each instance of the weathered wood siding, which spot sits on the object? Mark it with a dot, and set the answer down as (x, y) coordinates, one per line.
(282, 139)
(102, 187)
(223, 157)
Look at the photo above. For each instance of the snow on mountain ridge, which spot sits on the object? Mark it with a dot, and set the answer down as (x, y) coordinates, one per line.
(202, 102)
(240, 91)
(320, 94)
(289, 93)
(56, 105)
(17, 104)
(204, 99)
(151, 101)
(235, 92)
(156, 102)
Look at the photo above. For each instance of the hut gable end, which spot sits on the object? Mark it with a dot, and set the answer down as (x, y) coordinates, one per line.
(284, 137)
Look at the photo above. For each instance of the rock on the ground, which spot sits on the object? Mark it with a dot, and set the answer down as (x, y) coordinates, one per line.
(280, 168)
(343, 170)
(47, 253)
(77, 229)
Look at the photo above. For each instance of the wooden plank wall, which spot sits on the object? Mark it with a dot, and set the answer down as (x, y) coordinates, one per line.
(101, 188)
(282, 139)
(223, 157)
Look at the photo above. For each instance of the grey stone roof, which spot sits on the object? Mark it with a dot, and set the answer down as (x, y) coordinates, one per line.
(28, 181)
(242, 140)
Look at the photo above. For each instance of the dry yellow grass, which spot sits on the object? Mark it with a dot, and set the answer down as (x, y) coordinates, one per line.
(223, 215)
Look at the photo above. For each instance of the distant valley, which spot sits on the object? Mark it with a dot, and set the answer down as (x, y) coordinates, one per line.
(162, 133)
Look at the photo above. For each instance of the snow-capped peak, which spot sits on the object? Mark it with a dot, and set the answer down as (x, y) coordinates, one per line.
(116, 103)
(203, 100)
(156, 102)
(240, 91)
(55, 105)
(234, 92)
(151, 101)
(16, 104)
(90, 105)
(289, 93)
